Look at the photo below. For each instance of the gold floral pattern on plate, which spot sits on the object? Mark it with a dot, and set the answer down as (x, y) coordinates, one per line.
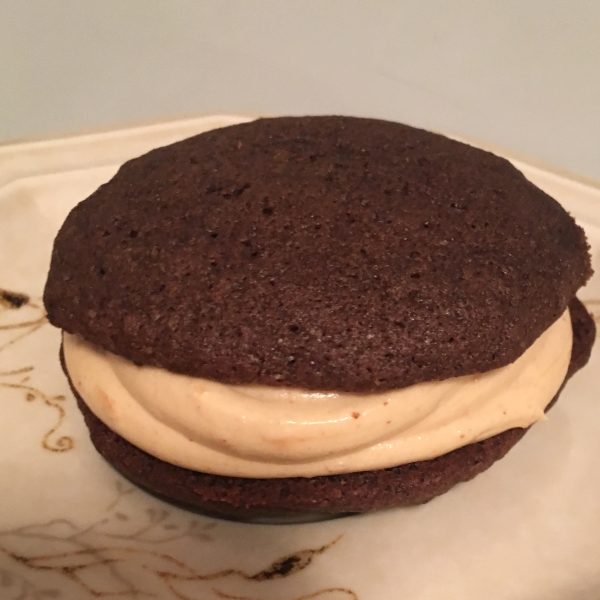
(13, 330)
(112, 555)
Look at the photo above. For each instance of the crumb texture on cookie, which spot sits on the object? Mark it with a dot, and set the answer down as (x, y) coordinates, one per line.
(328, 253)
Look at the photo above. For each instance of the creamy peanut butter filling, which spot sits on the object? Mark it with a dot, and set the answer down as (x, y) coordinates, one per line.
(258, 431)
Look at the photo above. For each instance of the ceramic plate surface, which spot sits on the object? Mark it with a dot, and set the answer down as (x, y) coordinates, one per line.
(72, 529)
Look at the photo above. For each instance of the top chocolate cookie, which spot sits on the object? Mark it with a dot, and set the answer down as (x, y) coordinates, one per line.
(328, 253)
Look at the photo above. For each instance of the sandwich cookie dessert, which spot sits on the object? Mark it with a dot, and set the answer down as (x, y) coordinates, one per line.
(311, 316)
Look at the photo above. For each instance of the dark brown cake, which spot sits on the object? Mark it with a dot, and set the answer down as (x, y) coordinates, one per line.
(327, 253)
(324, 253)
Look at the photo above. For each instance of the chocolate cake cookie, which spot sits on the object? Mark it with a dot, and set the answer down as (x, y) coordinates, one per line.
(353, 262)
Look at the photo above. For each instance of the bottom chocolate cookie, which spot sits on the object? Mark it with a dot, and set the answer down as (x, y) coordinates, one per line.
(300, 499)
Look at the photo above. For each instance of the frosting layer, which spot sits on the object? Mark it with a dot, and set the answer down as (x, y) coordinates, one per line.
(258, 431)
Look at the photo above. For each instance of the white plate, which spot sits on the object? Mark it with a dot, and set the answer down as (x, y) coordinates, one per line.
(71, 528)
